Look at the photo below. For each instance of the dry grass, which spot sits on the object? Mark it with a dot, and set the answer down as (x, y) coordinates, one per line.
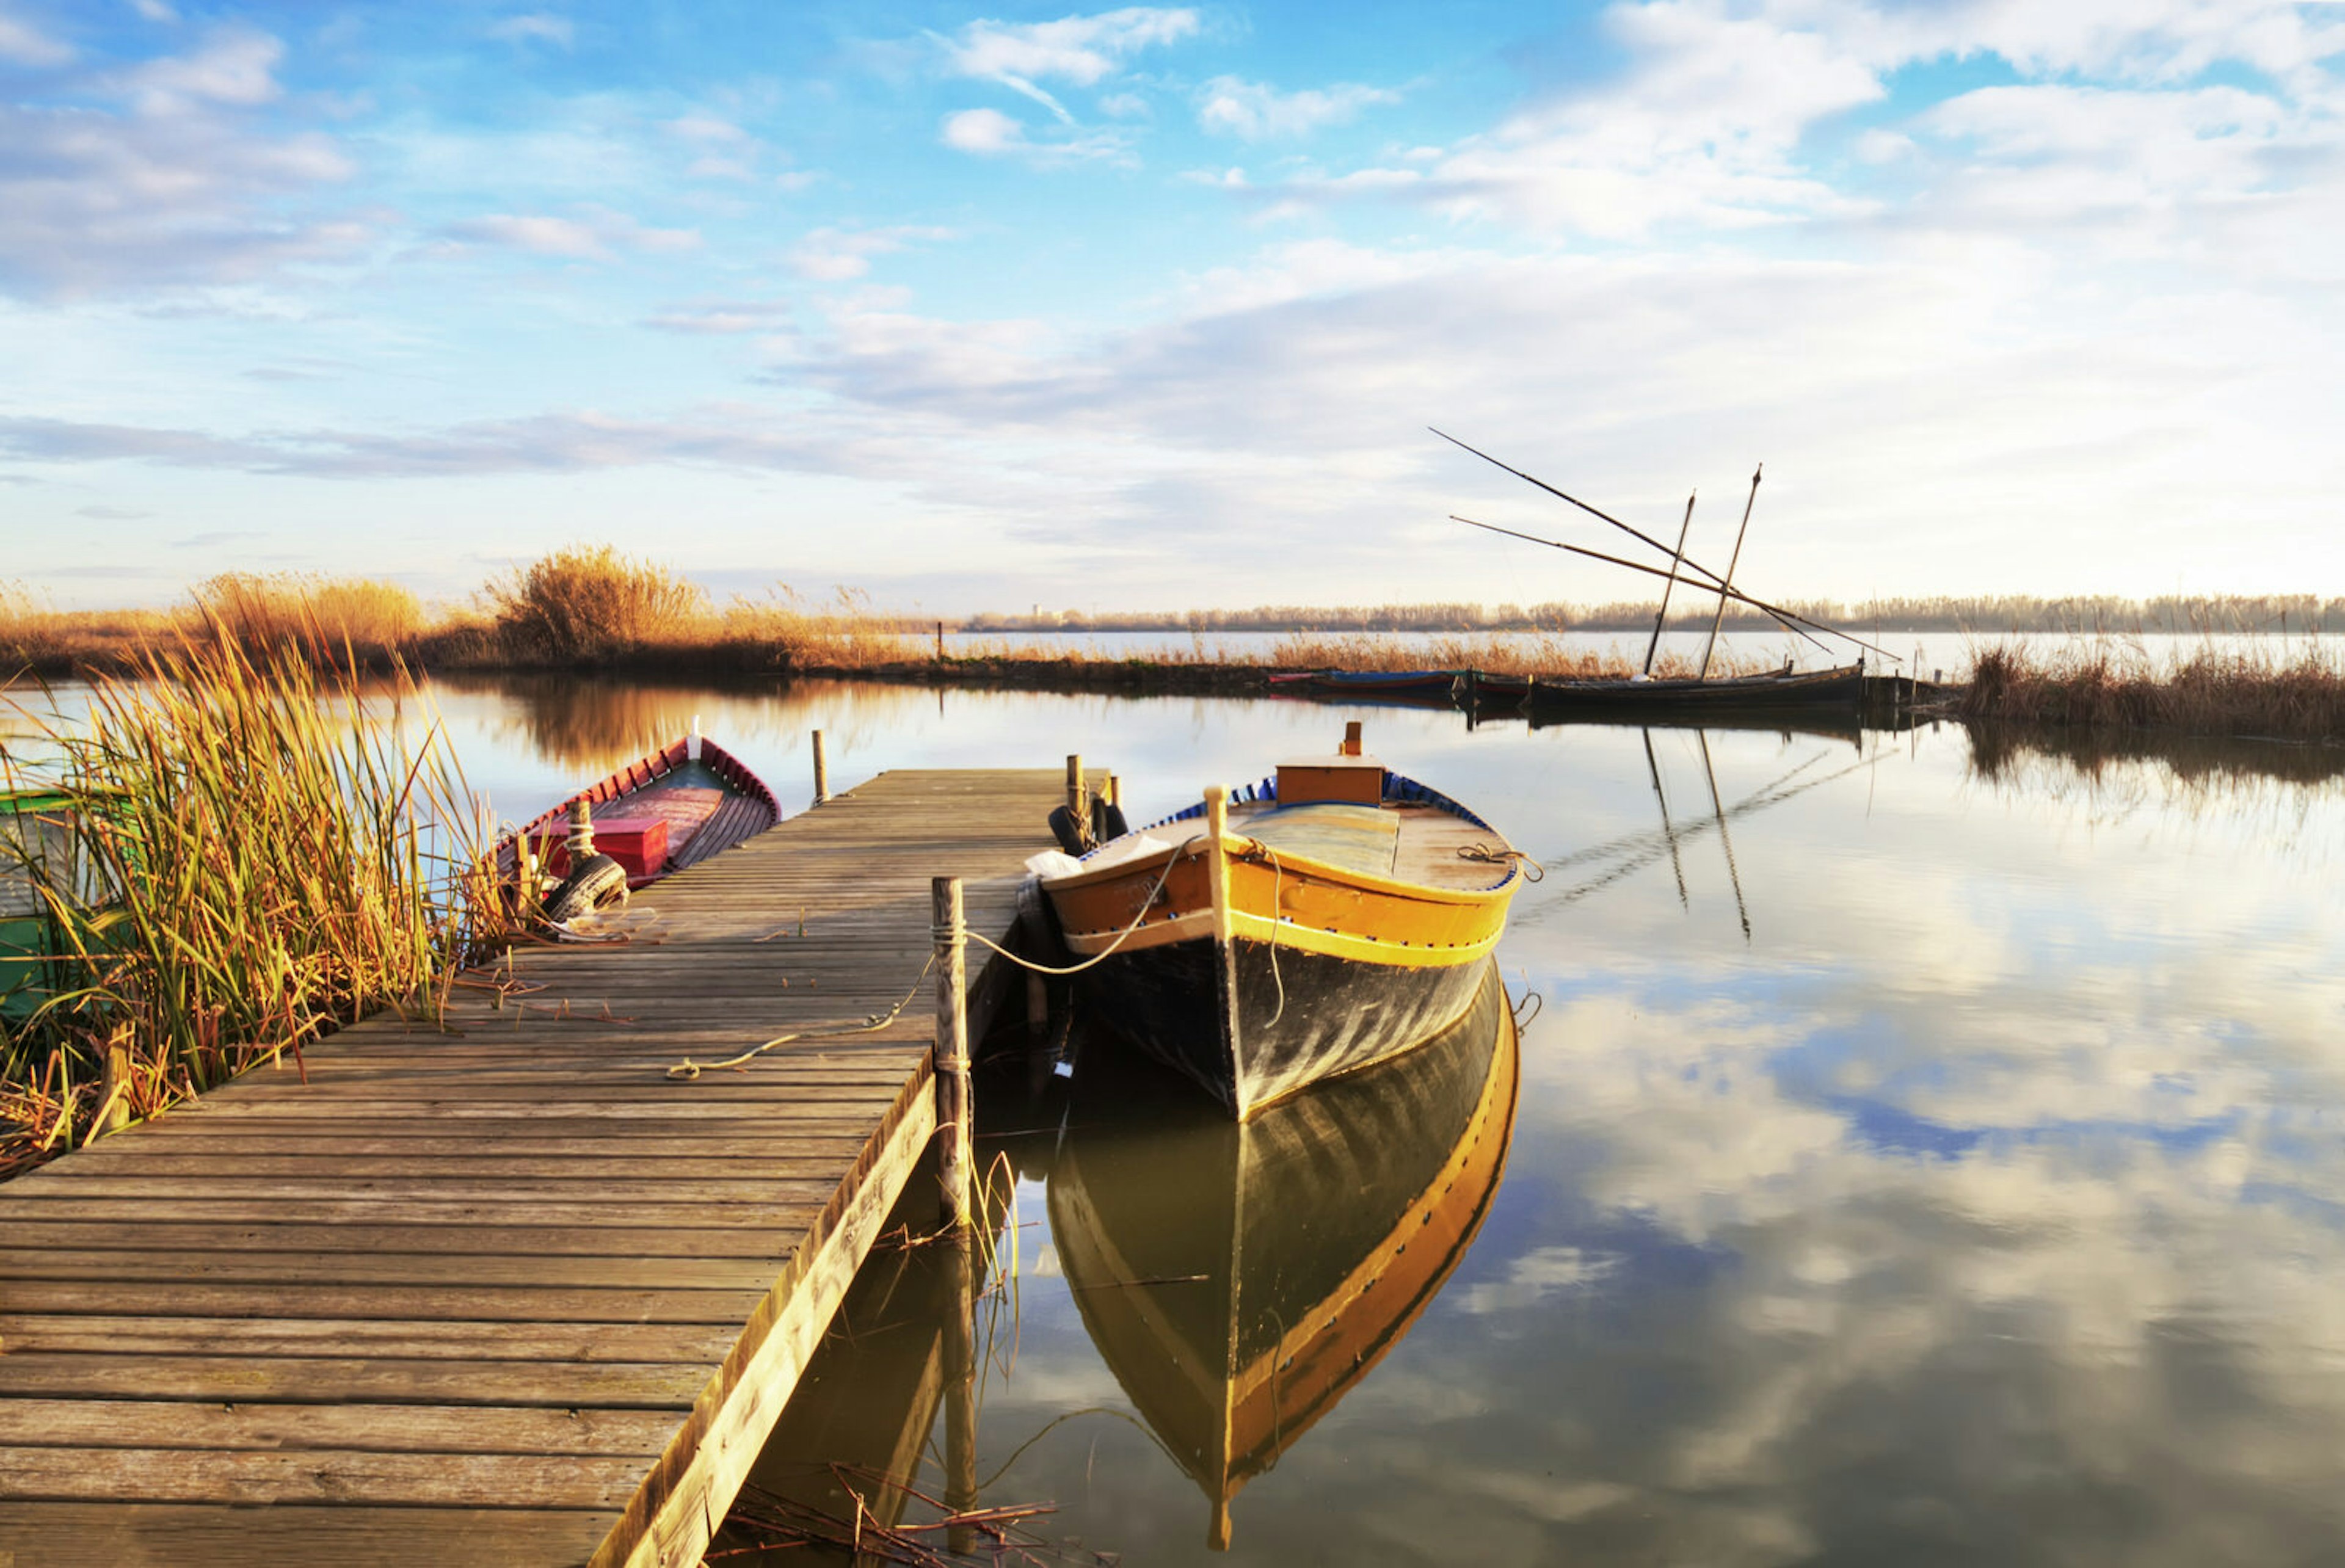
(331, 617)
(789, 631)
(2113, 685)
(250, 858)
(38, 638)
(1547, 655)
(590, 602)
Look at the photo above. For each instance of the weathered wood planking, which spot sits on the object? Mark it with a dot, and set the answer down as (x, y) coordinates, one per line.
(504, 1293)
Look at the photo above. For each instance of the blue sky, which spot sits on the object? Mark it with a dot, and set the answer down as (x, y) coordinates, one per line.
(1149, 308)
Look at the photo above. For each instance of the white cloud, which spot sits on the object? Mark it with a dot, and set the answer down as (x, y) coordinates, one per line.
(540, 26)
(177, 182)
(988, 133)
(593, 236)
(233, 66)
(839, 254)
(21, 42)
(1254, 111)
(154, 10)
(1078, 50)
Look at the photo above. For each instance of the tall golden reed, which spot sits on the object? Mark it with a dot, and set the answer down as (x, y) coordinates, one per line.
(253, 856)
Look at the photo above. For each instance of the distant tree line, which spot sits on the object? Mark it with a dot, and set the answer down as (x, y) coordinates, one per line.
(1979, 613)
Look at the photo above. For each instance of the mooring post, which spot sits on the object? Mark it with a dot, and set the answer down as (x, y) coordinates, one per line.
(940, 642)
(1079, 805)
(952, 1049)
(821, 771)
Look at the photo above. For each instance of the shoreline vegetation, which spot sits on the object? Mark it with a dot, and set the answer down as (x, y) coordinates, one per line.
(236, 855)
(2074, 661)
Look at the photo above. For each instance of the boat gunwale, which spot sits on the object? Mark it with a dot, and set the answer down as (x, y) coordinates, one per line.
(1233, 842)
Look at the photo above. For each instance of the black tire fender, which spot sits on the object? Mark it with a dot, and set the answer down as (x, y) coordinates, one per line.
(600, 881)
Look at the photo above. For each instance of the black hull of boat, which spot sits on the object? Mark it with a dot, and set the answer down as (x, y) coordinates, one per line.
(1277, 1019)
(1836, 691)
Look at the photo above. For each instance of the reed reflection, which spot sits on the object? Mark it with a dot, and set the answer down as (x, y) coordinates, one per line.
(1239, 1280)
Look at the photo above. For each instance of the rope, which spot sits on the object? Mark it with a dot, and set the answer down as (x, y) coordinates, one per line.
(1145, 905)
(1482, 853)
(688, 1070)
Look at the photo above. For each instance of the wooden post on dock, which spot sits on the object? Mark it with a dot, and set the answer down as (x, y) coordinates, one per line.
(952, 1049)
(821, 771)
(1079, 805)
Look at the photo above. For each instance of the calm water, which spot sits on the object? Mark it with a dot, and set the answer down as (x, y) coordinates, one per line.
(1918, 1166)
(1910, 1163)
(1931, 655)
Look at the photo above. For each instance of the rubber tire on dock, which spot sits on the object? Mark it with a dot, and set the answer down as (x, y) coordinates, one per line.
(601, 880)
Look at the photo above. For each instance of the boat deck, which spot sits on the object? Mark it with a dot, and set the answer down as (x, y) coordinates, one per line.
(505, 1294)
(1427, 845)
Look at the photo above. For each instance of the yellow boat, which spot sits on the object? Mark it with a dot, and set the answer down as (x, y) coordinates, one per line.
(1317, 923)
(1240, 1281)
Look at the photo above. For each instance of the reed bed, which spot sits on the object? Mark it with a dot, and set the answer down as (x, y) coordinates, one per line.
(251, 856)
(1554, 654)
(2295, 695)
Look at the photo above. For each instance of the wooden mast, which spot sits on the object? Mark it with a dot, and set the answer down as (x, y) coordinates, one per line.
(1727, 586)
(1677, 560)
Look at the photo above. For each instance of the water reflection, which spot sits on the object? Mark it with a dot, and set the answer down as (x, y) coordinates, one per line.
(1240, 1279)
(1984, 1203)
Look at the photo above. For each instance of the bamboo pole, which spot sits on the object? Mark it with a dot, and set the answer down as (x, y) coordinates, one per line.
(1736, 560)
(1782, 615)
(951, 1049)
(1677, 559)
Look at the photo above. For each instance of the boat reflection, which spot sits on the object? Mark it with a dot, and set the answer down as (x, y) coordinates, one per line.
(1240, 1279)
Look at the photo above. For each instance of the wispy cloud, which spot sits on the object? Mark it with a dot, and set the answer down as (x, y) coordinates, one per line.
(839, 254)
(726, 318)
(988, 133)
(534, 27)
(1083, 50)
(593, 236)
(165, 174)
(25, 44)
(1254, 111)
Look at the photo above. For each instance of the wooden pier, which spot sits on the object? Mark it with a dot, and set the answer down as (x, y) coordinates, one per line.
(507, 1294)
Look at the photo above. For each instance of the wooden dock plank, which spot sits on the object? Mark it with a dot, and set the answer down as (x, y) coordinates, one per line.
(494, 1287)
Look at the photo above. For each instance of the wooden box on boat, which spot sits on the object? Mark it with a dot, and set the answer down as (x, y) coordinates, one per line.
(1261, 944)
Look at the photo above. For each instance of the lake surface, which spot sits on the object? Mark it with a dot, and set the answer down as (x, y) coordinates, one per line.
(1934, 655)
(1909, 1157)
(1923, 1164)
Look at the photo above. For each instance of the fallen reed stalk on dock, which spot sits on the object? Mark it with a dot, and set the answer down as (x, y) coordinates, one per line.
(251, 854)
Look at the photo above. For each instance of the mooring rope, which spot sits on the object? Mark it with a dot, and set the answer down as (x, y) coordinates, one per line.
(1137, 920)
(687, 1069)
(1482, 853)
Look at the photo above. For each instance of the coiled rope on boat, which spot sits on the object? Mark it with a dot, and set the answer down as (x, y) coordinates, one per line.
(1483, 854)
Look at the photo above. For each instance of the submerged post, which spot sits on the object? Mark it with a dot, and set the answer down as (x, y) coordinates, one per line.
(952, 1049)
(821, 771)
(960, 1393)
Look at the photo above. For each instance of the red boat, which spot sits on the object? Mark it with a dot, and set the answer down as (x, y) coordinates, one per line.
(658, 814)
